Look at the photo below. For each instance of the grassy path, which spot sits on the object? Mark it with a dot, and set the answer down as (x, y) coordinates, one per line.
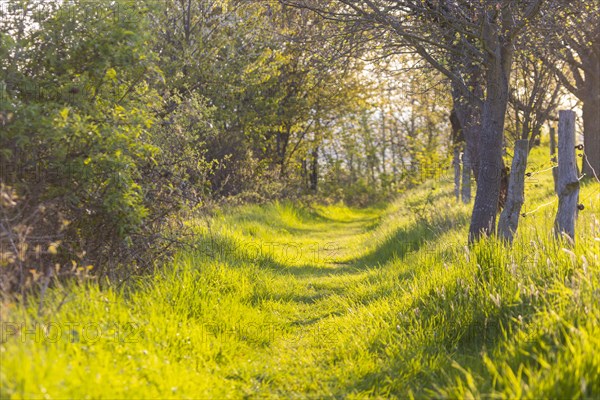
(281, 301)
(329, 286)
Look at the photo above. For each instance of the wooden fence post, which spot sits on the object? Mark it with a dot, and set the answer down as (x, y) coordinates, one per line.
(509, 218)
(568, 181)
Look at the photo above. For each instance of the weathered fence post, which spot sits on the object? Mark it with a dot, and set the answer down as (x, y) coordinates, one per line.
(509, 218)
(568, 182)
(553, 157)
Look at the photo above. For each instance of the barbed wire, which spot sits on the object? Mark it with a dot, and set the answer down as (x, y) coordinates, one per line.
(530, 174)
(555, 165)
(585, 157)
(525, 214)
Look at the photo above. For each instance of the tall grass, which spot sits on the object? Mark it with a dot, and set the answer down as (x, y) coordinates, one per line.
(312, 302)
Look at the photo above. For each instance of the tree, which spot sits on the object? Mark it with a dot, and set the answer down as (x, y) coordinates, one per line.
(572, 30)
(486, 32)
(397, 140)
(534, 97)
(266, 83)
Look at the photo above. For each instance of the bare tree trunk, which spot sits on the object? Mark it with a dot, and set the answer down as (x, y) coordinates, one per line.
(466, 176)
(394, 156)
(472, 142)
(483, 219)
(456, 164)
(509, 218)
(304, 172)
(468, 116)
(499, 64)
(383, 143)
(314, 169)
(591, 131)
(568, 183)
(468, 113)
(457, 144)
(553, 158)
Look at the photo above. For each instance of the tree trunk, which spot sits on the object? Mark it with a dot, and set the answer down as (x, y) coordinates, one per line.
(394, 157)
(457, 144)
(466, 176)
(283, 139)
(483, 219)
(568, 183)
(314, 171)
(591, 131)
(468, 116)
(553, 158)
(456, 165)
(509, 218)
(472, 142)
(499, 63)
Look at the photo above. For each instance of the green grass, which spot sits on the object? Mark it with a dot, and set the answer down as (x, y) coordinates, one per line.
(282, 301)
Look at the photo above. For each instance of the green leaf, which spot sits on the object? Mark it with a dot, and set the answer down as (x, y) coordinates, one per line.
(111, 74)
(64, 113)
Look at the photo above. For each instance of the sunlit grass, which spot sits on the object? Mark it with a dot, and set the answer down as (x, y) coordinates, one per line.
(329, 301)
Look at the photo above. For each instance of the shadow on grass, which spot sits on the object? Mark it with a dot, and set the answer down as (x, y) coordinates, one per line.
(308, 216)
(406, 240)
(313, 262)
(225, 250)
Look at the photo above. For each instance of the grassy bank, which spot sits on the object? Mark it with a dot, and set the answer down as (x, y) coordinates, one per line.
(296, 302)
